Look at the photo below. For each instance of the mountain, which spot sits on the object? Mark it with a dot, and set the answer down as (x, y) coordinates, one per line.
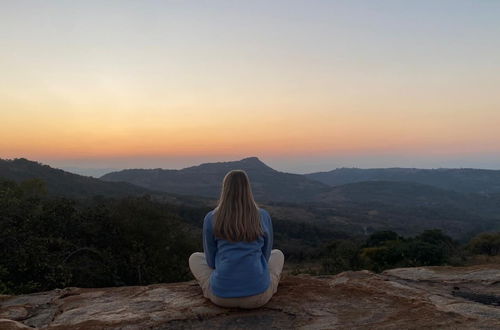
(206, 179)
(405, 194)
(62, 183)
(405, 207)
(359, 207)
(462, 180)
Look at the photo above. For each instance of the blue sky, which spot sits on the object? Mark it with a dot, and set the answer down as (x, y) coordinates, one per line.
(304, 85)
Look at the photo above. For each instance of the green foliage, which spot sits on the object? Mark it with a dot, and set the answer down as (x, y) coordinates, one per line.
(386, 249)
(47, 243)
(485, 243)
(50, 242)
(381, 237)
(302, 241)
(430, 248)
(341, 255)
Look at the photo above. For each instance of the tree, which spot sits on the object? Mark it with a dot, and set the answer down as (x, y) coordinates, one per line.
(341, 255)
(380, 237)
(485, 243)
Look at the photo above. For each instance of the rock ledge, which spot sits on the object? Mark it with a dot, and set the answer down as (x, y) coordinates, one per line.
(431, 297)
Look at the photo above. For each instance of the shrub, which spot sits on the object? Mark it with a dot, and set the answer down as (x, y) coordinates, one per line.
(485, 243)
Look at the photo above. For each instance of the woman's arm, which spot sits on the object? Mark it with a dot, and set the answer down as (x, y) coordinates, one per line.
(209, 244)
(268, 234)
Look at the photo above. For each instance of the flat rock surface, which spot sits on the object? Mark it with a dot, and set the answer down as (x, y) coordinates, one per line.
(405, 298)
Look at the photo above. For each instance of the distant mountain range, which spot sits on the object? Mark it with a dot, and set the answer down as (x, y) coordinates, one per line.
(458, 201)
(205, 180)
(268, 184)
(406, 200)
(463, 180)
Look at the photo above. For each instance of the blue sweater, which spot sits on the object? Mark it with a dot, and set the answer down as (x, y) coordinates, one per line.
(240, 268)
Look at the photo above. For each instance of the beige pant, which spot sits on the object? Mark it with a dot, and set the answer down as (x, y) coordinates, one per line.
(202, 272)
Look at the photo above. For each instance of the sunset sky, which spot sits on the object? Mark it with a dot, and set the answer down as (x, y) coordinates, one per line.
(304, 85)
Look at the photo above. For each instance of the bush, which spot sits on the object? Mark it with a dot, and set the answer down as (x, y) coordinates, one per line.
(340, 255)
(485, 243)
(386, 249)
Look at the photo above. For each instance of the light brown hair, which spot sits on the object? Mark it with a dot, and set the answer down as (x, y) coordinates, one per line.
(237, 216)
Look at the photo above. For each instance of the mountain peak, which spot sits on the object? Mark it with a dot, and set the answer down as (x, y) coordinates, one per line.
(249, 163)
(252, 160)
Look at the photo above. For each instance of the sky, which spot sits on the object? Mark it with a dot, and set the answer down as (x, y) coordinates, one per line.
(303, 85)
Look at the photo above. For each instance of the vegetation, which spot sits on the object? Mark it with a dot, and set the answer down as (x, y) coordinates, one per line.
(386, 249)
(51, 242)
(302, 241)
(48, 242)
(485, 244)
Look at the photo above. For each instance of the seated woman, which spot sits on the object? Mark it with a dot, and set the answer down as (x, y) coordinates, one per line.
(238, 268)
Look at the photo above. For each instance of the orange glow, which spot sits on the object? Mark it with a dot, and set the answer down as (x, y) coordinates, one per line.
(187, 79)
(105, 133)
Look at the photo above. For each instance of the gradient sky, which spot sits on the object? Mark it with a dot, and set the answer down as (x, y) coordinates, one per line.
(304, 85)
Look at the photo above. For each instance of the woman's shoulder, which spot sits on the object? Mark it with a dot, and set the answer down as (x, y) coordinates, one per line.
(264, 213)
(208, 217)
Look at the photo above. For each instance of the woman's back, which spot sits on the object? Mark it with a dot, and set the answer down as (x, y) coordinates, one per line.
(241, 268)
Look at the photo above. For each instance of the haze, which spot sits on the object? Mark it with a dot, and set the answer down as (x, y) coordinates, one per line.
(304, 85)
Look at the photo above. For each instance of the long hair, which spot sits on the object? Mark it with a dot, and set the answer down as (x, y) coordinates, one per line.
(237, 216)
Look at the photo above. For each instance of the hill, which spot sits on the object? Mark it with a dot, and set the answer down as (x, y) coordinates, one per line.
(62, 183)
(462, 180)
(357, 207)
(407, 194)
(406, 207)
(205, 180)
(404, 298)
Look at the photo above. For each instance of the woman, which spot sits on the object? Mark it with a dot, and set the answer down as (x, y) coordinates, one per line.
(238, 268)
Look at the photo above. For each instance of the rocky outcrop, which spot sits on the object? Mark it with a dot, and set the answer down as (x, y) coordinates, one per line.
(433, 297)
